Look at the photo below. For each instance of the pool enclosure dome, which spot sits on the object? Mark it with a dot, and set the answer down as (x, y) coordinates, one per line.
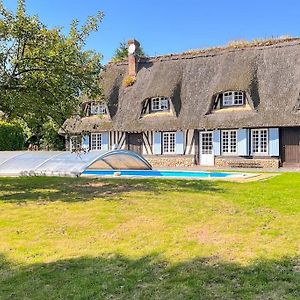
(64, 163)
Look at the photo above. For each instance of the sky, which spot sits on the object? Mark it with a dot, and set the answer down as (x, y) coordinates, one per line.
(172, 26)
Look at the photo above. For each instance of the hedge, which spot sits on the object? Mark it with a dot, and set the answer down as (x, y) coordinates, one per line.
(11, 136)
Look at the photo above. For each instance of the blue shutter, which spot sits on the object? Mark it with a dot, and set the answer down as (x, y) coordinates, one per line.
(217, 142)
(157, 143)
(104, 141)
(179, 142)
(274, 141)
(243, 142)
(86, 142)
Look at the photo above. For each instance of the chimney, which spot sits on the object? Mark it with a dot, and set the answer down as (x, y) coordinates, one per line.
(133, 47)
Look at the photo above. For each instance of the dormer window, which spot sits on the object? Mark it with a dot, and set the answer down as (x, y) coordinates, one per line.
(233, 98)
(156, 105)
(160, 104)
(98, 108)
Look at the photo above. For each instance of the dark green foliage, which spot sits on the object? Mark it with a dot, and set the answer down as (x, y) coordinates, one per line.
(11, 136)
(50, 137)
(41, 132)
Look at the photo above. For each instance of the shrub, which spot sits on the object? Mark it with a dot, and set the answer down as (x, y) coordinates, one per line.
(129, 81)
(11, 136)
(50, 138)
(41, 132)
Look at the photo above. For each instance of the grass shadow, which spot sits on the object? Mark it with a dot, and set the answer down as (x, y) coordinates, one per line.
(85, 189)
(119, 277)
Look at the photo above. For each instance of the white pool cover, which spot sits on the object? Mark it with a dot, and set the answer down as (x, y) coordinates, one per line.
(64, 163)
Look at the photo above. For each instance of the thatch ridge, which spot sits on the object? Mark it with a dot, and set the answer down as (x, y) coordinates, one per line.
(237, 45)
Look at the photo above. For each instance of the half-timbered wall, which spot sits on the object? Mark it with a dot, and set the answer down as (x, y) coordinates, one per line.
(117, 140)
(114, 140)
(148, 142)
(188, 142)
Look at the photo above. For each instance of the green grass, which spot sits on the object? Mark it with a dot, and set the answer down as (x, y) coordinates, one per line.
(70, 238)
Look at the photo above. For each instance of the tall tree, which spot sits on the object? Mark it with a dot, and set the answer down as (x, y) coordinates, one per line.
(121, 52)
(43, 72)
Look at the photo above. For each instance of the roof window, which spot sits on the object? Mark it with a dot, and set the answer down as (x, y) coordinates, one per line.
(233, 98)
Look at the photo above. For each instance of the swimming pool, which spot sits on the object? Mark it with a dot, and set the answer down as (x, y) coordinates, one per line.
(162, 173)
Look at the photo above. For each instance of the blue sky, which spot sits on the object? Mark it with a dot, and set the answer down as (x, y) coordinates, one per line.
(172, 26)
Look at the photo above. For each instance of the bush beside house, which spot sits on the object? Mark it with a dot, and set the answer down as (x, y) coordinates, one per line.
(50, 139)
(11, 136)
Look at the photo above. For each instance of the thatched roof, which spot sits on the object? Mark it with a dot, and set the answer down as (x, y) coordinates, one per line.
(268, 73)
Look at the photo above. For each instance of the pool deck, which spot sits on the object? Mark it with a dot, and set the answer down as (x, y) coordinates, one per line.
(254, 174)
(235, 176)
(252, 178)
(259, 174)
(239, 170)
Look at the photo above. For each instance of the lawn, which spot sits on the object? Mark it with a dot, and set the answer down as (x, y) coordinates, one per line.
(77, 238)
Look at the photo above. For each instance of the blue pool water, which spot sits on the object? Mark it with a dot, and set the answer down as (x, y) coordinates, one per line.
(161, 173)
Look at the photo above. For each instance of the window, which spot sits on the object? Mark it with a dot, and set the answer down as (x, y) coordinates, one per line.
(169, 142)
(159, 104)
(206, 143)
(259, 139)
(155, 104)
(96, 141)
(164, 104)
(75, 143)
(229, 142)
(232, 98)
(98, 108)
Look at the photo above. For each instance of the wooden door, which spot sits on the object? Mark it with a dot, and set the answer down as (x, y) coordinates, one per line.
(290, 145)
(135, 142)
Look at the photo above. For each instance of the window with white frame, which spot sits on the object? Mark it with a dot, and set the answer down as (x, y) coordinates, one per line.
(160, 104)
(75, 143)
(169, 142)
(96, 141)
(229, 141)
(233, 98)
(98, 108)
(259, 141)
(206, 143)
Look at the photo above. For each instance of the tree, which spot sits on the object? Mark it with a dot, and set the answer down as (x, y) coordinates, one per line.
(43, 72)
(121, 52)
(42, 132)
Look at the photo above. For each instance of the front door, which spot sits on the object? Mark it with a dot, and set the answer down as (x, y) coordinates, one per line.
(290, 145)
(206, 150)
(135, 142)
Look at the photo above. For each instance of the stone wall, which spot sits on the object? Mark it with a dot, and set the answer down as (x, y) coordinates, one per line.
(171, 161)
(223, 162)
(239, 162)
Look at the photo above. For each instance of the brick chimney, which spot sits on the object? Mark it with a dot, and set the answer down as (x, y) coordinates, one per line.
(133, 47)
